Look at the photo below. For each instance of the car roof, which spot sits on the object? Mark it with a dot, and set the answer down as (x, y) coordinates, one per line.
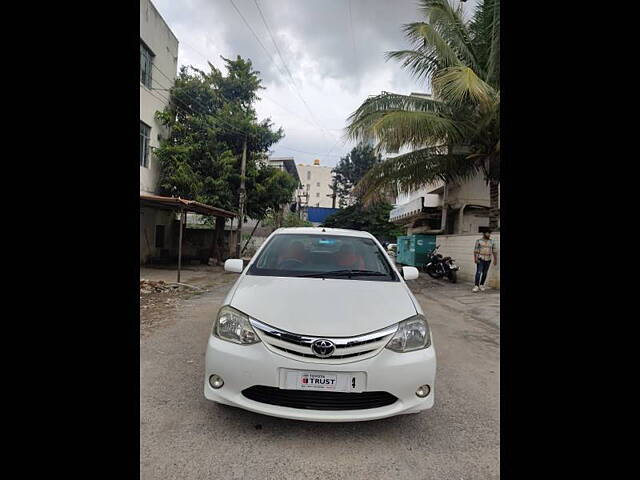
(324, 231)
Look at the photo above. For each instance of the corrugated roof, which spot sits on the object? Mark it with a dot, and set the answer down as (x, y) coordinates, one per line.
(182, 204)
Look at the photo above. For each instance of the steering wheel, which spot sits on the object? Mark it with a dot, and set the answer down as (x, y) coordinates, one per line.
(290, 263)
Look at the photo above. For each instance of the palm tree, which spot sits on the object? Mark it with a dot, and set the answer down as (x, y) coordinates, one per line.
(454, 134)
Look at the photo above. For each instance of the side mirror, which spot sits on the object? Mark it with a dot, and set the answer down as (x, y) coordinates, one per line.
(235, 265)
(410, 273)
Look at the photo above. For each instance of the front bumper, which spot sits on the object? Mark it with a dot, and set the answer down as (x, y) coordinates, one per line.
(242, 366)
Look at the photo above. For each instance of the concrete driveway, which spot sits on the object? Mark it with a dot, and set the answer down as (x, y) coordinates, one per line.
(184, 436)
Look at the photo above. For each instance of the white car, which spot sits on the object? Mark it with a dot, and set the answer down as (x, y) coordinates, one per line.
(321, 326)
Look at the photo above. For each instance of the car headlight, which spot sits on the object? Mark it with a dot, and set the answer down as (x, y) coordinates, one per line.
(412, 334)
(234, 326)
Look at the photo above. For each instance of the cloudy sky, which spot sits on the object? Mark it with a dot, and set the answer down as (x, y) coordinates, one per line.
(328, 56)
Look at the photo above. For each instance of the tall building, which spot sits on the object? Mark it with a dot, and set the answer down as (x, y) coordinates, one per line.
(316, 182)
(288, 164)
(158, 69)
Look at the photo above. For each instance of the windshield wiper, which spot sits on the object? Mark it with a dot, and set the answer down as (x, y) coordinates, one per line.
(345, 273)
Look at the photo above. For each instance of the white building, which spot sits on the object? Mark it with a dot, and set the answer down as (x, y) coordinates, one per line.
(457, 207)
(286, 164)
(158, 69)
(316, 182)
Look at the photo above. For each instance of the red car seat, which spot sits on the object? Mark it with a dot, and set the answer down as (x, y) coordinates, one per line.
(295, 251)
(348, 259)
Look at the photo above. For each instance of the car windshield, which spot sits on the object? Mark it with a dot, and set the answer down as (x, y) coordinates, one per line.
(330, 256)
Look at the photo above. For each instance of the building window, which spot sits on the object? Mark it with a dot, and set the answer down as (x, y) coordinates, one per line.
(317, 194)
(308, 187)
(160, 236)
(317, 184)
(145, 135)
(308, 175)
(146, 62)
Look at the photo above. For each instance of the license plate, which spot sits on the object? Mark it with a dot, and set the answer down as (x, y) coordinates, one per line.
(322, 381)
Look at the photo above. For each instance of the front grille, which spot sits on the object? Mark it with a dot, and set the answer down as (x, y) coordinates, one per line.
(311, 355)
(348, 349)
(311, 400)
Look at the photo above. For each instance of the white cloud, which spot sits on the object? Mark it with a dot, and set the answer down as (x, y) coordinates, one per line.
(335, 63)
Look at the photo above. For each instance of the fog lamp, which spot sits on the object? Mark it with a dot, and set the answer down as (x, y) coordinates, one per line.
(423, 391)
(216, 381)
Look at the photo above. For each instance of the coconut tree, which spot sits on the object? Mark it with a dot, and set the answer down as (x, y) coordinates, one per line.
(453, 134)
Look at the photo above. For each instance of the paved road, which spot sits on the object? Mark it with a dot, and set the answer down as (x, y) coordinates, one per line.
(184, 436)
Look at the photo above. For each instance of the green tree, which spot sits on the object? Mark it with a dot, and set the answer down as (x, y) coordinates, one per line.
(373, 219)
(350, 170)
(210, 116)
(456, 133)
(289, 219)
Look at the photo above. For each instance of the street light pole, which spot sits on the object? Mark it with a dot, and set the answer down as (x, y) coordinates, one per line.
(243, 167)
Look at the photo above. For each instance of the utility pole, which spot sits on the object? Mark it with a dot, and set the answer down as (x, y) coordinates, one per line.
(183, 216)
(304, 195)
(333, 196)
(243, 167)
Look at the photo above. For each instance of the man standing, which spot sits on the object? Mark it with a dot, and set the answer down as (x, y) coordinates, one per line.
(485, 249)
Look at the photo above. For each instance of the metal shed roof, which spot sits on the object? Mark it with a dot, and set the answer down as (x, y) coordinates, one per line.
(182, 204)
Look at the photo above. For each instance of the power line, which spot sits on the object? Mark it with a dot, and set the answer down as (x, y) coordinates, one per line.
(306, 120)
(255, 35)
(230, 128)
(200, 104)
(189, 110)
(268, 98)
(353, 39)
(197, 102)
(285, 65)
(344, 141)
(274, 41)
(295, 90)
(308, 153)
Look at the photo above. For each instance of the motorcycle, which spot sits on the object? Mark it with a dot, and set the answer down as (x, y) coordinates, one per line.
(438, 266)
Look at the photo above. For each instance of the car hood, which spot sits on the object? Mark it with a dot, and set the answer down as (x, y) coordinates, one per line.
(323, 308)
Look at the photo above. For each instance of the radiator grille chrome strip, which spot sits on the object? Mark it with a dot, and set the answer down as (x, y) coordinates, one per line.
(299, 346)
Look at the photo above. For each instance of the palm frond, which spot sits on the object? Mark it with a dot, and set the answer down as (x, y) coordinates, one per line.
(427, 40)
(421, 65)
(396, 120)
(412, 171)
(448, 21)
(397, 129)
(457, 85)
(493, 64)
(484, 29)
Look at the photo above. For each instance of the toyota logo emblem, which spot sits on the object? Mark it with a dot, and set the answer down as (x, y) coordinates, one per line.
(323, 348)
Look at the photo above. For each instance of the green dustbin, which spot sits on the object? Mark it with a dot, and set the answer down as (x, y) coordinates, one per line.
(413, 249)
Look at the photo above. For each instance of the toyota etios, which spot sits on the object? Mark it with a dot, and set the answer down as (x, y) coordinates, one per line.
(321, 326)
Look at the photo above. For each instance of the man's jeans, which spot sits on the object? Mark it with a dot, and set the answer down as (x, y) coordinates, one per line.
(481, 271)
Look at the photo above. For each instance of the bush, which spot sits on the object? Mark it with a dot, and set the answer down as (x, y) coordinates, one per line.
(373, 219)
